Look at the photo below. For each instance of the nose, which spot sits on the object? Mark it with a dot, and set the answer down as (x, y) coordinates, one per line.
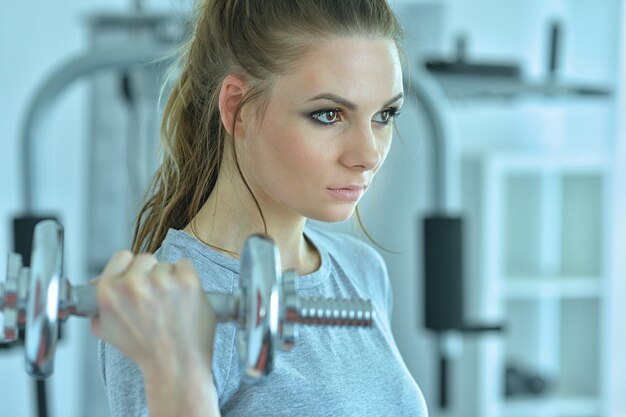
(365, 149)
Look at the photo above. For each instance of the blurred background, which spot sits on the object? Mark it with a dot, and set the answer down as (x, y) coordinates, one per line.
(501, 203)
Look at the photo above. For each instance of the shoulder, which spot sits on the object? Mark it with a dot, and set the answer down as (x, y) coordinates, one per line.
(176, 245)
(346, 248)
(217, 272)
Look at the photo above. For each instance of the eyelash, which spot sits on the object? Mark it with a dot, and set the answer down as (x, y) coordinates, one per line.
(393, 113)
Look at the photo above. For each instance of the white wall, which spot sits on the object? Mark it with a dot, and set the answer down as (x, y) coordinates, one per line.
(37, 35)
(617, 325)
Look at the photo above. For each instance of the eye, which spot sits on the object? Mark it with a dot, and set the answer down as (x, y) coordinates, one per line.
(386, 116)
(326, 117)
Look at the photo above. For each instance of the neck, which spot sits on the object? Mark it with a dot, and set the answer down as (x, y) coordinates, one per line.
(230, 215)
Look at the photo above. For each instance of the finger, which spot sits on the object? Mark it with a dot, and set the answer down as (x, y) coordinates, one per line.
(162, 273)
(142, 264)
(118, 263)
(163, 269)
(184, 265)
(186, 272)
(184, 268)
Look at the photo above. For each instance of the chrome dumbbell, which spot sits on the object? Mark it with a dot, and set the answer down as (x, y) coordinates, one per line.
(265, 308)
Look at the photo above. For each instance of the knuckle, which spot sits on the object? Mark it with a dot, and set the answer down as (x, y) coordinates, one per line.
(161, 277)
(188, 280)
(133, 288)
(118, 262)
(123, 255)
(146, 258)
(132, 277)
(187, 273)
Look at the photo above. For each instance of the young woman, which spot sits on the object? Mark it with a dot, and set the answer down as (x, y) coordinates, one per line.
(283, 112)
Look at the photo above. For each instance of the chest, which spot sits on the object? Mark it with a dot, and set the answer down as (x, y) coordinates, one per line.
(347, 372)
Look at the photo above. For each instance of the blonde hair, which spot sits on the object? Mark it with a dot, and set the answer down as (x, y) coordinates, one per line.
(257, 40)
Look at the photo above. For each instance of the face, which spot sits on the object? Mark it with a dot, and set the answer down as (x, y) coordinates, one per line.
(326, 130)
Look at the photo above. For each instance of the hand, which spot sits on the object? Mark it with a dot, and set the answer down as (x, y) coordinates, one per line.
(156, 314)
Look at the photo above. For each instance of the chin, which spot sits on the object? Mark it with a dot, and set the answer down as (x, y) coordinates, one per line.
(333, 216)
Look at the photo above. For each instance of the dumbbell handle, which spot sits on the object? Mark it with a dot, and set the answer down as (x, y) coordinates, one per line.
(82, 301)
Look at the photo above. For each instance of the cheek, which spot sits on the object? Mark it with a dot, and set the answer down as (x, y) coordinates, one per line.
(293, 152)
(297, 146)
(385, 145)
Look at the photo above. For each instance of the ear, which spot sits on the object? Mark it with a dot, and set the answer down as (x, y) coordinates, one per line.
(231, 94)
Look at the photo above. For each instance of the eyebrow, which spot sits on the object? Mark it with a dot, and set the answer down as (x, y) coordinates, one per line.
(349, 104)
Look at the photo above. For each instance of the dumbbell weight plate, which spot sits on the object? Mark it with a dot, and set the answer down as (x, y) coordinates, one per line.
(259, 271)
(42, 321)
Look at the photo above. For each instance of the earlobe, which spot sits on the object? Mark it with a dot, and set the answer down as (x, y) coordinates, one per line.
(230, 97)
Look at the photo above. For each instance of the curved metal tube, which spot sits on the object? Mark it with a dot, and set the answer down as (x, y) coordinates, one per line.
(427, 92)
(75, 68)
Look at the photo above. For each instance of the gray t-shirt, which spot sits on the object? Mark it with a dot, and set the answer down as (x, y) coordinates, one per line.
(331, 371)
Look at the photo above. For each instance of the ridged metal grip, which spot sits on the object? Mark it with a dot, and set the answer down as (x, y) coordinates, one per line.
(335, 312)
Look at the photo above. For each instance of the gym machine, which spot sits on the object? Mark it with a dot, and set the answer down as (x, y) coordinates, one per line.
(266, 307)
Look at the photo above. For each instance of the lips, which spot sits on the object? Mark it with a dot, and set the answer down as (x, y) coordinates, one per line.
(348, 192)
(350, 187)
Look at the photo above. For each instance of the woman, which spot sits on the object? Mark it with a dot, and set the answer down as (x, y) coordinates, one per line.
(283, 111)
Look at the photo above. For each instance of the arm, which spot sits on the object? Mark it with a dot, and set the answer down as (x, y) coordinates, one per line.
(157, 315)
(181, 395)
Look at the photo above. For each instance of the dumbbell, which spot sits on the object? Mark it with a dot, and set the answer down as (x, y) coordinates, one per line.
(265, 308)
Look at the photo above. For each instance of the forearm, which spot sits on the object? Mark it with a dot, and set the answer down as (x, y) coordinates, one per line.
(194, 395)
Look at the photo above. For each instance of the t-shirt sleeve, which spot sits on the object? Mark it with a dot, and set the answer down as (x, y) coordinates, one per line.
(122, 379)
(123, 383)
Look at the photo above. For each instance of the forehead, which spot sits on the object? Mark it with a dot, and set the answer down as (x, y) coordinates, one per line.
(363, 70)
